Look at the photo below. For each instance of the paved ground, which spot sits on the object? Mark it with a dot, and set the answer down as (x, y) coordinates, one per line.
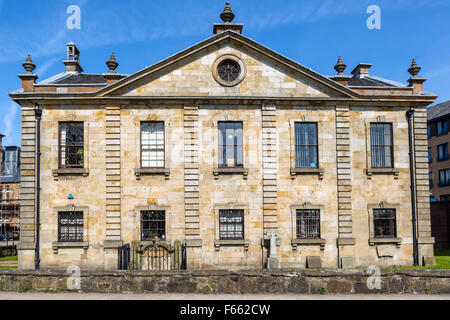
(99, 296)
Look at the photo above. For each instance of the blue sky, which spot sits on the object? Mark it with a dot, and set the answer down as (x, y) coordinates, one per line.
(142, 32)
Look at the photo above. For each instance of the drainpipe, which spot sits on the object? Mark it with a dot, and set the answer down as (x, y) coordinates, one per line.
(409, 115)
(38, 114)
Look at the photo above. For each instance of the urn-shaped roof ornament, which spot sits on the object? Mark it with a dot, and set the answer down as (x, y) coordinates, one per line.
(414, 69)
(340, 66)
(227, 14)
(28, 65)
(112, 64)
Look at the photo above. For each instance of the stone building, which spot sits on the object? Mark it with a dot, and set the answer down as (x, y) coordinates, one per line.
(246, 157)
(438, 141)
(9, 189)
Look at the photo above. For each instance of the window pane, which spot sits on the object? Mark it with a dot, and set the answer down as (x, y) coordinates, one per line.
(381, 145)
(231, 224)
(308, 223)
(153, 145)
(384, 223)
(306, 145)
(153, 224)
(230, 144)
(71, 148)
(70, 226)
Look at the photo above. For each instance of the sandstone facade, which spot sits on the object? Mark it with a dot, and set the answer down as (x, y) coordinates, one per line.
(182, 91)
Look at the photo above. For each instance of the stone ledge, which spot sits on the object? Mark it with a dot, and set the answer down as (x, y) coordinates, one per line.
(26, 246)
(375, 241)
(346, 241)
(372, 171)
(111, 244)
(307, 171)
(308, 242)
(425, 240)
(194, 243)
(69, 245)
(219, 171)
(236, 243)
(70, 172)
(151, 171)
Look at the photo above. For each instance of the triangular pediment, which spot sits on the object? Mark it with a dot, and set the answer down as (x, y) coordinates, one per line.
(193, 73)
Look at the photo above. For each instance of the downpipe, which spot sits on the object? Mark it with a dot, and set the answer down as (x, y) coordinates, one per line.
(38, 115)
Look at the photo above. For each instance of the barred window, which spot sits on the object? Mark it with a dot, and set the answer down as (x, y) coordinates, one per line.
(152, 145)
(71, 145)
(384, 222)
(381, 142)
(230, 145)
(306, 146)
(231, 224)
(308, 223)
(70, 226)
(153, 224)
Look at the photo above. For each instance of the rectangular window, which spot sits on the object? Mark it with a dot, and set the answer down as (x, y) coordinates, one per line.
(429, 131)
(71, 145)
(230, 145)
(381, 143)
(308, 224)
(445, 197)
(306, 145)
(430, 177)
(70, 226)
(384, 222)
(231, 224)
(153, 224)
(430, 156)
(442, 127)
(443, 152)
(444, 177)
(152, 145)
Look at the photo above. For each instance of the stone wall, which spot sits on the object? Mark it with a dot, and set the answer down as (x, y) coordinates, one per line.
(224, 282)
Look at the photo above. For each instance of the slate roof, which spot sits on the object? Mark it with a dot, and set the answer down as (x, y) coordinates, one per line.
(76, 78)
(438, 110)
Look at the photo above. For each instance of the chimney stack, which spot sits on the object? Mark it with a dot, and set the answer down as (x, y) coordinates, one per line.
(72, 62)
(361, 70)
(416, 82)
(227, 17)
(28, 77)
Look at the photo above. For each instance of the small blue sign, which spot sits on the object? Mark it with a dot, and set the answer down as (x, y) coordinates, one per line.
(70, 197)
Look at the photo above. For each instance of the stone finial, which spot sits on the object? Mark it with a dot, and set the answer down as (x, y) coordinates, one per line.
(28, 65)
(112, 64)
(340, 66)
(414, 69)
(227, 14)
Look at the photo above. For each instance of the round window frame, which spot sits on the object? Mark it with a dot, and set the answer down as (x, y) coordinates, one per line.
(234, 58)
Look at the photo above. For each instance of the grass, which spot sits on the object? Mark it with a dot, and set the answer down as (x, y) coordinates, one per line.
(442, 261)
(8, 268)
(9, 258)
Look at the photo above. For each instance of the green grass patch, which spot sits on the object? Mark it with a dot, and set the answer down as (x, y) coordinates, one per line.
(442, 261)
(8, 268)
(9, 258)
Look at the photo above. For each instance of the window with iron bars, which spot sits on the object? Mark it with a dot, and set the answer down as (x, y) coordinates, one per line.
(231, 224)
(308, 224)
(71, 145)
(153, 224)
(70, 226)
(384, 223)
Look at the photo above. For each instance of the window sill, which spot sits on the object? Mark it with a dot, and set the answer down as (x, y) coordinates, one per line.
(305, 242)
(373, 171)
(375, 241)
(219, 171)
(69, 245)
(443, 184)
(151, 171)
(442, 159)
(308, 171)
(70, 172)
(234, 243)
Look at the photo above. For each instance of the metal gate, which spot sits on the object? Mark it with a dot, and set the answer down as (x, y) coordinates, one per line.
(153, 255)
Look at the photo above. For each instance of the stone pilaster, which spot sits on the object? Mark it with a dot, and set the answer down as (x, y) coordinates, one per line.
(346, 241)
(27, 243)
(270, 169)
(113, 181)
(425, 239)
